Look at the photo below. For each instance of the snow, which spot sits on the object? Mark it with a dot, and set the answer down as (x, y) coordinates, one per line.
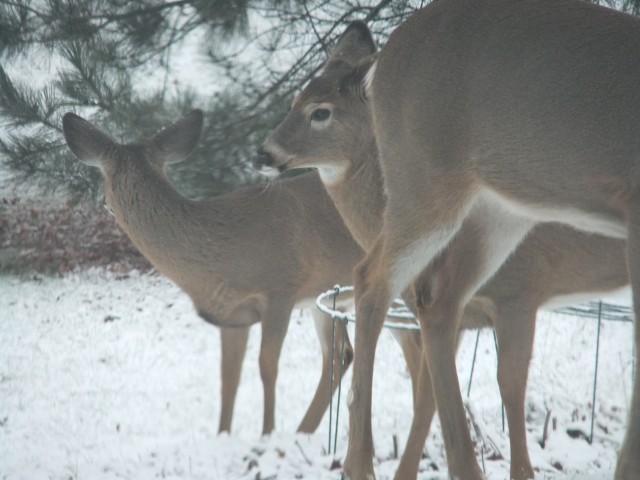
(107, 377)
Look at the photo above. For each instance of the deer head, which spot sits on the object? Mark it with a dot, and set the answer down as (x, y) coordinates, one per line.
(172, 144)
(329, 122)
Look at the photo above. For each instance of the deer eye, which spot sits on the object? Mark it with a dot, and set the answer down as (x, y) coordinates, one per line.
(320, 114)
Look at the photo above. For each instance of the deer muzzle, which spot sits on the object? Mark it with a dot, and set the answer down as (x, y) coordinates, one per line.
(262, 159)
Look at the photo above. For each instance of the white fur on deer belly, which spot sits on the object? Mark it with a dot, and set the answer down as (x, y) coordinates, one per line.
(576, 298)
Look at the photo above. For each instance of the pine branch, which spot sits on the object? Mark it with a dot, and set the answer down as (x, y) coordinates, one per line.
(23, 106)
(104, 44)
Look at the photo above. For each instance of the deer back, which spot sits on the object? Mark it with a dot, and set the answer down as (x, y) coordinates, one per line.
(547, 88)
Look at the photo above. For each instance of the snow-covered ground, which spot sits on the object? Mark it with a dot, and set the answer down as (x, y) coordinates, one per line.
(110, 378)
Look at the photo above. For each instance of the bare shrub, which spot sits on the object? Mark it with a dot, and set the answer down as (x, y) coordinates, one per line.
(58, 238)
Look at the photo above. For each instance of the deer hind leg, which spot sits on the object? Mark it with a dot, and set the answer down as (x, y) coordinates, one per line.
(411, 345)
(274, 329)
(396, 258)
(423, 412)
(233, 346)
(318, 406)
(487, 237)
(515, 329)
(439, 322)
(628, 465)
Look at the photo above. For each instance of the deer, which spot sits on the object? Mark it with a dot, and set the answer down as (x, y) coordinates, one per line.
(553, 264)
(246, 257)
(473, 151)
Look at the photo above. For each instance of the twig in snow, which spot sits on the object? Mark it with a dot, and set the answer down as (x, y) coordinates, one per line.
(395, 447)
(545, 430)
(487, 442)
(303, 454)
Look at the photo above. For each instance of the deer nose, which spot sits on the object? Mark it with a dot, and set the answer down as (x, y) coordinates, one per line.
(262, 158)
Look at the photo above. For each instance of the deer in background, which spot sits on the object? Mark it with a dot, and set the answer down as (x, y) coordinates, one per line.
(243, 258)
(331, 128)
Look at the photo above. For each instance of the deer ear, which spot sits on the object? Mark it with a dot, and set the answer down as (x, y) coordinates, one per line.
(89, 144)
(178, 140)
(356, 79)
(355, 44)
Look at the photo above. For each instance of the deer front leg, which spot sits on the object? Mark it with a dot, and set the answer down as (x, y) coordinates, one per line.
(233, 345)
(274, 329)
(322, 397)
(373, 297)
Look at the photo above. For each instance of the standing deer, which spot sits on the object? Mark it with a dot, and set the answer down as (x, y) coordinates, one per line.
(243, 258)
(481, 113)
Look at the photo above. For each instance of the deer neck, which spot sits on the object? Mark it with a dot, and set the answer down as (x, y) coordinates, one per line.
(149, 209)
(359, 196)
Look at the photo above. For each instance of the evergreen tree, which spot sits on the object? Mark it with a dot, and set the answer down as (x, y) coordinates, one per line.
(102, 54)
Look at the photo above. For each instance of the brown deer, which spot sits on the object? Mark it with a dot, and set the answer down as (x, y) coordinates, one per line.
(243, 258)
(466, 177)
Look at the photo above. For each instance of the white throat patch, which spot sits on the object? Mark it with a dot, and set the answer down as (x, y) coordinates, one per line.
(331, 175)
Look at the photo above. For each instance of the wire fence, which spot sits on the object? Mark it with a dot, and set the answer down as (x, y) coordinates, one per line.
(400, 317)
